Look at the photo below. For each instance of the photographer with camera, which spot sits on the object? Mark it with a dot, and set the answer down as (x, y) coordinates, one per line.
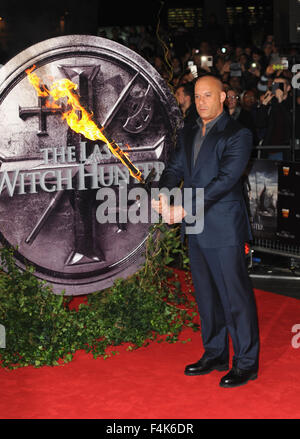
(274, 116)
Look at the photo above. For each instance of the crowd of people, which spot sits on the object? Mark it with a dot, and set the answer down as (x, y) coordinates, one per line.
(258, 85)
(256, 77)
(257, 81)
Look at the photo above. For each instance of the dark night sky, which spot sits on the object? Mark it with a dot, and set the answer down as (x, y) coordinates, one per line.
(130, 12)
(106, 12)
(27, 23)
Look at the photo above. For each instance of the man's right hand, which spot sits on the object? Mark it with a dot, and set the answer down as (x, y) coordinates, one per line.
(170, 214)
(160, 205)
(156, 205)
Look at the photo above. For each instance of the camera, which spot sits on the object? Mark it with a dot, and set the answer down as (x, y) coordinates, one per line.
(284, 62)
(223, 50)
(276, 86)
(206, 61)
(193, 68)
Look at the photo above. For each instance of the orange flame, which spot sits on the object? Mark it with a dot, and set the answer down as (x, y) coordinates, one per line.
(78, 119)
(36, 82)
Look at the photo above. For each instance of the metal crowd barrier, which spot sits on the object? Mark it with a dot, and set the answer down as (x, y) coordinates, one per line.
(261, 148)
(276, 247)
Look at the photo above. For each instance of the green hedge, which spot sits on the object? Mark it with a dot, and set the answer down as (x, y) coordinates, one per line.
(41, 328)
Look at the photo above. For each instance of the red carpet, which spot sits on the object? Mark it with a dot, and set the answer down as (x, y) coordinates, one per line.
(149, 383)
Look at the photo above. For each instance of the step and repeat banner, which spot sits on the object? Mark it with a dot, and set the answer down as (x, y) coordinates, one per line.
(273, 190)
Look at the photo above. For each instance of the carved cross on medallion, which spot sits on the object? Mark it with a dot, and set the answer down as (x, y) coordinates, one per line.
(42, 112)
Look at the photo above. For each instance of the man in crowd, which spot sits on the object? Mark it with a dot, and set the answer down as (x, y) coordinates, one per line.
(240, 112)
(185, 98)
(213, 155)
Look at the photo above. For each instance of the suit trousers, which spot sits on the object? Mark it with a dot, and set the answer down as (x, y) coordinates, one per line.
(225, 302)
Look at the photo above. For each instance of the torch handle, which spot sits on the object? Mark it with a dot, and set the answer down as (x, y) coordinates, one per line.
(149, 179)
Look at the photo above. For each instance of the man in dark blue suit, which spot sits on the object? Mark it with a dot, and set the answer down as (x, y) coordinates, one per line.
(213, 154)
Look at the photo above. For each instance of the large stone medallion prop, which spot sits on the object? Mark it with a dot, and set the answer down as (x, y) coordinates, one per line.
(43, 214)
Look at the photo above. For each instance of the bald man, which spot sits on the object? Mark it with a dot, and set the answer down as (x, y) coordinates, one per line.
(213, 155)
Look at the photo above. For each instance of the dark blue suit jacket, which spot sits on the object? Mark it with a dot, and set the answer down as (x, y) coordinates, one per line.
(220, 164)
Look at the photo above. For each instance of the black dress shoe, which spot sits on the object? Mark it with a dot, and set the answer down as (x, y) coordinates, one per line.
(204, 366)
(238, 377)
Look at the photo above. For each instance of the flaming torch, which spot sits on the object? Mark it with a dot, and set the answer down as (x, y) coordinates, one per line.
(83, 124)
(80, 121)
